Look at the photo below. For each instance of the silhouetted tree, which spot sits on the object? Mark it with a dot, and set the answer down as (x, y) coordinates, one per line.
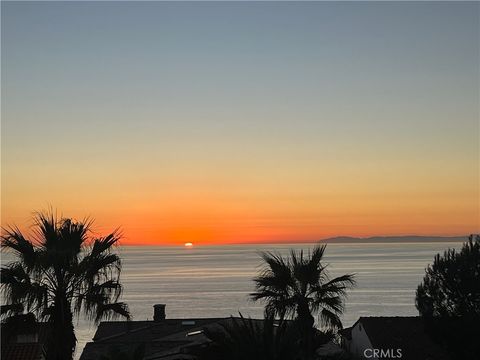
(451, 286)
(60, 273)
(248, 339)
(449, 299)
(299, 287)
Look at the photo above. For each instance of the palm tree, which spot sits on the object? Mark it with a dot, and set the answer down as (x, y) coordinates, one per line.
(62, 272)
(299, 286)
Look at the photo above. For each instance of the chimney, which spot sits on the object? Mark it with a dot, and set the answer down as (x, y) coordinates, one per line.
(159, 312)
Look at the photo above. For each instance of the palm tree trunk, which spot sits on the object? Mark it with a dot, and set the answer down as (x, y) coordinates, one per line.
(306, 322)
(62, 340)
(304, 316)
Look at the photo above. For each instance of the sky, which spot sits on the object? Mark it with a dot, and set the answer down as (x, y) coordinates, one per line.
(217, 123)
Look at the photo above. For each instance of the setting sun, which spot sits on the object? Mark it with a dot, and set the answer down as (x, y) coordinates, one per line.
(188, 244)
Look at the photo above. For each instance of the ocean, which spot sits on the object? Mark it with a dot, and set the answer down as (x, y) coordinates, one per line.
(214, 281)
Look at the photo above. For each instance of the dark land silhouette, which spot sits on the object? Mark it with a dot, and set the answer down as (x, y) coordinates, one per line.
(393, 239)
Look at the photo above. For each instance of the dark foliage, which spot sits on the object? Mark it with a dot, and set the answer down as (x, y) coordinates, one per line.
(18, 324)
(60, 273)
(449, 299)
(247, 339)
(451, 286)
(124, 353)
(299, 286)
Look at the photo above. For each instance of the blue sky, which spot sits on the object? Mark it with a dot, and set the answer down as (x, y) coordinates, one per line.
(244, 98)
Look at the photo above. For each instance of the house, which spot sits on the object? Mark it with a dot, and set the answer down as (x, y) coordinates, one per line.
(162, 338)
(23, 338)
(390, 338)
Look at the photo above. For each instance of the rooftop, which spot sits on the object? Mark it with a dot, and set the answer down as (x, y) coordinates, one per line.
(402, 332)
(164, 339)
(22, 351)
(23, 338)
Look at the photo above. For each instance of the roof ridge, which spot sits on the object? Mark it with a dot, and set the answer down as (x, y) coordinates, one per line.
(168, 319)
(151, 324)
(122, 333)
(390, 317)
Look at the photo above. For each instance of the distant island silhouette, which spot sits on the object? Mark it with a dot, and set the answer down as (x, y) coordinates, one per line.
(365, 240)
(394, 239)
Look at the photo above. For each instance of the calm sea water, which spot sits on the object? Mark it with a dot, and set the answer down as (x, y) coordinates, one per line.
(215, 281)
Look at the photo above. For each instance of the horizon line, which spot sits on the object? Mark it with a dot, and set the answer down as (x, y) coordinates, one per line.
(353, 239)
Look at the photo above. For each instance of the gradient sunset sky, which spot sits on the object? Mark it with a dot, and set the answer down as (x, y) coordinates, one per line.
(243, 122)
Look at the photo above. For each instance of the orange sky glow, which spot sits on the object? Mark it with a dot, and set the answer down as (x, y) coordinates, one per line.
(223, 123)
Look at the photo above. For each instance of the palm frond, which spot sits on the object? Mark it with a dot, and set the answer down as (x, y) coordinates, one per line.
(72, 235)
(277, 273)
(333, 303)
(300, 285)
(330, 319)
(17, 287)
(9, 310)
(95, 295)
(46, 229)
(23, 248)
(106, 243)
(63, 273)
(112, 311)
(345, 281)
(317, 255)
(244, 338)
(92, 270)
